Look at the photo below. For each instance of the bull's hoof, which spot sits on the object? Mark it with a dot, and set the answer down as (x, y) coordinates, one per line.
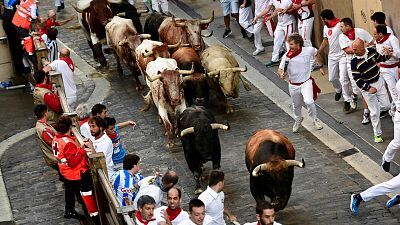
(160, 120)
(229, 109)
(203, 178)
(107, 51)
(170, 145)
(139, 88)
(198, 191)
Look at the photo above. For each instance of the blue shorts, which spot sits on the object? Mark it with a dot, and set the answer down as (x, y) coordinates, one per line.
(229, 7)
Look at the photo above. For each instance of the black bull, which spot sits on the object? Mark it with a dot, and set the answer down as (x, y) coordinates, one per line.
(199, 135)
(270, 162)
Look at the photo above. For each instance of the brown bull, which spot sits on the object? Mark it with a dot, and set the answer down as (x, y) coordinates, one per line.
(270, 158)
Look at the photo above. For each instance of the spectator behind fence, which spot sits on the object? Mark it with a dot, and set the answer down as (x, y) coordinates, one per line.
(102, 143)
(144, 214)
(156, 186)
(97, 110)
(112, 131)
(51, 44)
(83, 113)
(43, 94)
(125, 181)
(265, 214)
(45, 134)
(197, 214)
(66, 67)
(213, 199)
(52, 21)
(172, 214)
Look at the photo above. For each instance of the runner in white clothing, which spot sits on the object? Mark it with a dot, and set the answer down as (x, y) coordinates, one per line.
(302, 88)
(337, 64)
(380, 18)
(305, 16)
(259, 23)
(197, 214)
(173, 213)
(265, 214)
(284, 27)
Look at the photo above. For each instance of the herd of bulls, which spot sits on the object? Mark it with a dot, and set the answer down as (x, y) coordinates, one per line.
(180, 71)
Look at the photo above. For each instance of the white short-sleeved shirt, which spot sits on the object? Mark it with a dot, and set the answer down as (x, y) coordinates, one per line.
(393, 43)
(332, 34)
(104, 145)
(207, 221)
(67, 77)
(389, 30)
(214, 203)
(148, 187)
(255, 223)
(85, 131)
(159, 215)
(345, 42)
(299, 68)
(260, 5)
(283, 19)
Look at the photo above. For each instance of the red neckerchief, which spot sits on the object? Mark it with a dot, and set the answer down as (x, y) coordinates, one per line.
(68, 60)
(351, 34)
(292, 54)
(383, 39)
(47, 86)
(81, 122)
(139, 217)
(112, 136)
(333, 22)
(173, 213)
(297, 2)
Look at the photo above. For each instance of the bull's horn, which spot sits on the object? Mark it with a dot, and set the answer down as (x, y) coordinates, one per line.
(140, 11)
(176, 23)
(213, 73)
(256, 171)
(208, 20)
(145, 36)
(151, 79)
(301, 164)
(220, 126)
(188, 130)
(147, 54)
(184, 72)
(239, 69)
(76, 8)
(121, 14)
(176, 45)
(211, 33)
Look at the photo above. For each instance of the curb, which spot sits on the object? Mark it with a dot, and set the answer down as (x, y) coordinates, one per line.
(84, 72)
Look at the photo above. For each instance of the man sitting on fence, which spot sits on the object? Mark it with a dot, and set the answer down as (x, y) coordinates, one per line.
(144, 214)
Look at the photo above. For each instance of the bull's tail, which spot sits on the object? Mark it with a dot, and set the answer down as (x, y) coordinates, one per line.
(148, 100)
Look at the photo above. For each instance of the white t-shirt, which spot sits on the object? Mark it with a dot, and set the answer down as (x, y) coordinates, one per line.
(148, 187)
(85, 131)
(304, 11)
(260, 5)
(214, 203)
(207, 221)
(345, 42)
(159, 215)
(389, 30)
(393, 43)
(255, 223)
(67, 76)
(283, 19)
(299, 68)
(332, 34)
(104, 145)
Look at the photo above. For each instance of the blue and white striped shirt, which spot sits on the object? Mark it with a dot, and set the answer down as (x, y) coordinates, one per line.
(124, 185)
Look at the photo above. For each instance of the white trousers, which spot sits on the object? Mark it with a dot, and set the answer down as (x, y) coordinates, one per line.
(377, 102)
(305, 30)
(391, 76)
(280, 35)
(303, 95)
(57, 3)
(394, 145)
(257, 31)
(246, 19)
(337, 70)
(386, 187)
(160, 4)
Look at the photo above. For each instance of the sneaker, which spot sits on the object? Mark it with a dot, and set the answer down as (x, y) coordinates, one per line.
(296, 125)
(227, 33)
(378, 139)
(353, 102)
(318, 124)
(258, 51)
(366, 119)
(317, 66)
(384, 114)
(338, 95)
(354, 203)
(73, 215)
(244, 35)
(59, 8)
(393, 201)
(346, 106)
(385, 166)
(271, 63)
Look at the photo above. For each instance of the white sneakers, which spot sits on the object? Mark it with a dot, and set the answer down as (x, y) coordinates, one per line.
(297, 124)
(258, 51)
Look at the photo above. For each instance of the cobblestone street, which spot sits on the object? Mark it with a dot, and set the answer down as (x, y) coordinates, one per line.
(321, 191)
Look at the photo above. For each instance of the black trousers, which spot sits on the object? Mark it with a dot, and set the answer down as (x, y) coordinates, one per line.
(73, 189)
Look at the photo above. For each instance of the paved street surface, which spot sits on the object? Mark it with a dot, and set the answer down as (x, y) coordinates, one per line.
(321, 191)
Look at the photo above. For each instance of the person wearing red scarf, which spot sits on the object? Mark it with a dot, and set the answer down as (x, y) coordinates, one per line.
(265, 214)
(337, 64)
(144, 214)
(173, 213)
(349, 34)
(296, 63)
